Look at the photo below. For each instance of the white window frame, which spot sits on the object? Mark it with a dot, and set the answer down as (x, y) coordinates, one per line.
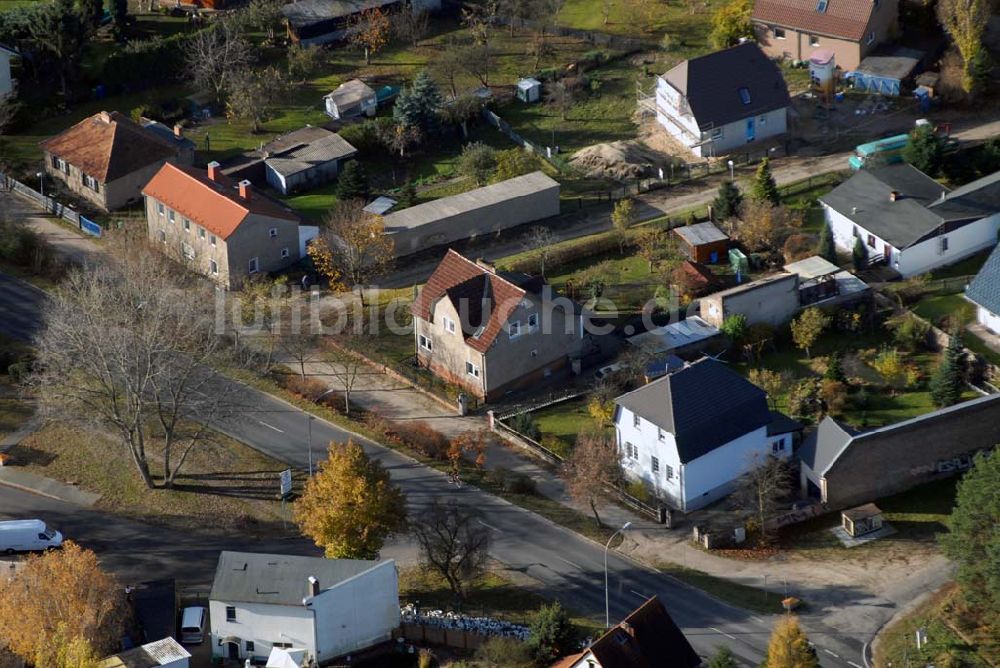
(532, 323)
(201, 232)
(514, 329)
(447, 324)
(631, 451)
(91, 182)
(273, 233)
(213, 267)
(636, 421)
(285, 253)
(187, 225)
(779, 33)
(471, 369)
(778, 446)
(716, 133)
(171, 216)
(253, 266)
(654, 464)
(212, 240)
(668, 472)
(813, 40)
(660, 435)
(160, 209)
(425, 343)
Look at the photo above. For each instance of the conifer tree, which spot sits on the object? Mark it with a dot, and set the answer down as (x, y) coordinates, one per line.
(353, 182)
(764, 187)
(727, 203)
(947, 383)
(827, 249)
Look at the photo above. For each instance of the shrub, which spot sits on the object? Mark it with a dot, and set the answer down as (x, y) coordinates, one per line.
(556, 445)
(501, 652)
(511, 481)
(422, 437)
(524, 423)
(306, 388)
(909, 331)
(638, 489)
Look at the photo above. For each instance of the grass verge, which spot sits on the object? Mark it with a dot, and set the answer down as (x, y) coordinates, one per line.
(733, 593)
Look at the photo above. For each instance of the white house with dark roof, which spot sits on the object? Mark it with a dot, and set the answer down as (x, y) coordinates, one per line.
(723, 101)
(911, 222)
(329, 607)
(984, 292)
(692, 433)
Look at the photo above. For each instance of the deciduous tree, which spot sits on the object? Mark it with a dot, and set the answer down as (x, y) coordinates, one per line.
(552, 634)
(540, 240)
(369, 30)
(651, 245)
(764, 227)
(730, 23)
(350, 507)
(454, 543)
(764, 188)
(734, 327)
(252, 94)
(215, 55)
(889, 365)
(723, 658)
(266, 16)
(478, 162)
(789, 647)
(460, 111)
(772, 382)
(966, 21)
(126, 347)
(61, 606)
(305, 61)
(358, 245)
(622, 218)
(592, 466)
(514, 162)
(807, 328)
(560, 95)
(762, 488)
(973, 539)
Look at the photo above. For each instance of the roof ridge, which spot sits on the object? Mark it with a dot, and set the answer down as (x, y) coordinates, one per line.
(205, 184)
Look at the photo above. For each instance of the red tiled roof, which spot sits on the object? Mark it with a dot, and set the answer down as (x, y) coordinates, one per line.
(215, 205)
(108, 146)
(483, 299)
(846, 19)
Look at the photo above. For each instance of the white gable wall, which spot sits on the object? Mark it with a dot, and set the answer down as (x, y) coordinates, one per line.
(262, 624)
(646, 439)
(987, 319)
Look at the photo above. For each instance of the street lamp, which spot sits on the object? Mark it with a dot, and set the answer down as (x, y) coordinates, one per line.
(732, 174)
(41, 182)
(607, 605)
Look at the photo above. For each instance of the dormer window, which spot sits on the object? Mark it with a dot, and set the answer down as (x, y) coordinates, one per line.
(821, 6)
(745, 95)
(514, 329)
(448, 324)
(532, 322)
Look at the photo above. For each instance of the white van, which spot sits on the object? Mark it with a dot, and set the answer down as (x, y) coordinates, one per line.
(193, 625)
(27, 536)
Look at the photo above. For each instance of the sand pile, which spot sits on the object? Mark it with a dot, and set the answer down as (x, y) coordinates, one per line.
(617, 160)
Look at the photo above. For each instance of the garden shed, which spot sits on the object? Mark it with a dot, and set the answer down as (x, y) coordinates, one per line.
(529, 90)
(704, 242)
(861, 520)
(351, 98)
(885, 74)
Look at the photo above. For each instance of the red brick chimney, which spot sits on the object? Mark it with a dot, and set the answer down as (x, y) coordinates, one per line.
(213, 170)
(894, 195)
(244, 189)
(178, 131)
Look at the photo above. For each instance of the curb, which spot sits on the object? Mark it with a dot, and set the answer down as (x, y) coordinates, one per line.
(31, 490)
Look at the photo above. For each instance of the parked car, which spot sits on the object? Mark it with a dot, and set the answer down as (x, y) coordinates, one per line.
(193, 622)
(28, 536)
(608, 370)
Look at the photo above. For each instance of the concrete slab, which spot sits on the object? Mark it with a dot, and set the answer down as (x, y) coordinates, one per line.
(848, 540)
(11, 476)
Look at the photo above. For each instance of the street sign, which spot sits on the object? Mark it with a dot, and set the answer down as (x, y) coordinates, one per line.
(286, 482)
(90, 227)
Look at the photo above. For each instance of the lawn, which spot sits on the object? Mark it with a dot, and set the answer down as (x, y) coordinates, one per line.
(563, 420)
(14, 412)
(939, 309)
(224, 483)
(687, 22)
(967, 267)
(945, 618)
(734, 593)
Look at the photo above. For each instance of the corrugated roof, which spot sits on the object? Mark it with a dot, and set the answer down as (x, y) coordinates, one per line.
(730, 85)
(304, 149)
(812, 267)
(150, 655)
(307, 12)
(700, 233)
(108, 146)
(984, 289)
(846, 19)
(280, 579)
(704, 405)
(519, 186)
(350, 92)
(215, 205)
(483, 299)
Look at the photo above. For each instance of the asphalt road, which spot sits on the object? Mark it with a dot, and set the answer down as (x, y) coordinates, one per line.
(20, 308)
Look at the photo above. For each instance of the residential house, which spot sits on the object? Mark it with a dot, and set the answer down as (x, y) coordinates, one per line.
(911, 222)
(703, 242)
(984, 292)
(850, 29)
(313, 22)
(107, 158)
(225, 230)
(296, 162)
(723, 101)
(692, 433)
(491, 332)
(350, 99)
(842, 467)
(173, 136)
(480, 212)
(647, 637)
(165, 653)
(328, 607)
(7, 83)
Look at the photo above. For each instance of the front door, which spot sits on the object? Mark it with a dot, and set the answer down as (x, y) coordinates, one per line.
(751, 130)
(233, 650)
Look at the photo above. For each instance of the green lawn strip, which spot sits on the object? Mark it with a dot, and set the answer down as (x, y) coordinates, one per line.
(14, 412)
(499, 594)
(563, 420)
(688, 24)
(542, 505)
(967, 267)
(938, 616)
(733, 593)
(938, 309)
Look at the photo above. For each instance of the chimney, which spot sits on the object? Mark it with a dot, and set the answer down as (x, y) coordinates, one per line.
(105, 117)
(854, 210)
(244, 189)
(488, 266)
(944, 193)
(628, 628)
(178, 131)
(213, 170)
(313, 586)
(894, 195)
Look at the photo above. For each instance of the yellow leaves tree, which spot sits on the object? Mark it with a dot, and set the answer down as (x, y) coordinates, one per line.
(622, 218)
(370, 30)
(730, 23)
(473, 442)
(322, 258)
(61, 610)
(966, 21)
(350, 507)
(807, 328)
(789, 647)
(352, 245)
(889, 364)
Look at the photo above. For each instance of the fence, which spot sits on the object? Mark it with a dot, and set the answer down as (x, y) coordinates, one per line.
(503, 126)
(49, 204)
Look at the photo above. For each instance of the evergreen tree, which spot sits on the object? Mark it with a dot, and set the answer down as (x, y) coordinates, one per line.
(727, 203)
(723, 658)
(551, 634)
(789, 647)
(353, 182)
(827, 249)
(925, 151)
(947, 383)
(835, 368)
(417, 106)
(859, 254)
(764, 188)
(408, 194)
(973, 540)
